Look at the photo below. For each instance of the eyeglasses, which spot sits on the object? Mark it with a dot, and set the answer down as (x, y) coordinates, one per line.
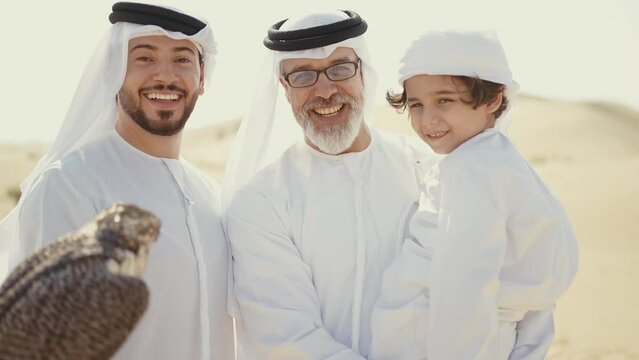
(337, 72)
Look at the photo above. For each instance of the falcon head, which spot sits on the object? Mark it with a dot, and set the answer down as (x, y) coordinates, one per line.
(131, 231)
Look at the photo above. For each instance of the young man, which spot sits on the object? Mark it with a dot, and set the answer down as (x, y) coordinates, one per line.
(121, 142)
(312, 232)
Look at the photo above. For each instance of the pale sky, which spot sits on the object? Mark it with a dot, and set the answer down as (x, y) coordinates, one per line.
(570, 50)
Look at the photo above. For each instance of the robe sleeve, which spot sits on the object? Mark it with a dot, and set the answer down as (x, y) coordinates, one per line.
(278, 304)
(52, 208)
(534, 335)
(400, 317)
(467, 260)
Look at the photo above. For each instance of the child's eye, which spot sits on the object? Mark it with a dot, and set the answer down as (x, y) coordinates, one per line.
(414, 105)
(143, 58)
(444, 100)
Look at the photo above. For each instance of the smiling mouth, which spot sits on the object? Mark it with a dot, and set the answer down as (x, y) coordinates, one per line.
(165, 97)
(437, 135)
(328, 111)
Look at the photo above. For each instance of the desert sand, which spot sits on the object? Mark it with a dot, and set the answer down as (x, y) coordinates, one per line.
(587, 152)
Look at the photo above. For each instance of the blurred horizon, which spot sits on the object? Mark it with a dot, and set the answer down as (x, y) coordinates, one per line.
(191, 126)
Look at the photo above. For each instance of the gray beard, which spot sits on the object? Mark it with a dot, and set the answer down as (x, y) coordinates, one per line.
(336, 138)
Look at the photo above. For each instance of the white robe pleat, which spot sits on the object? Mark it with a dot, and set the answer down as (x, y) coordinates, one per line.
(489, 252)
(311, 236)
(188, 265)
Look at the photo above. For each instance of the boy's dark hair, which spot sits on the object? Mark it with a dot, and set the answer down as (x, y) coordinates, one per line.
(481, 92)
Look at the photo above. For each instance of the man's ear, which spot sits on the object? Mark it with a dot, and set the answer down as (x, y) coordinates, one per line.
(495, 103)
(200, 91)
(285, 86)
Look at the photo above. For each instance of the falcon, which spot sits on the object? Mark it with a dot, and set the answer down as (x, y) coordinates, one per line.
(80, 296)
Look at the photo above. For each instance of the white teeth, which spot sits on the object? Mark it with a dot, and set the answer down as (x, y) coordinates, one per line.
(438, 134)
(328, 110)
(155, 96)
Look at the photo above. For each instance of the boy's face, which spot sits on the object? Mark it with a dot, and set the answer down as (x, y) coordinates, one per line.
(440, 117)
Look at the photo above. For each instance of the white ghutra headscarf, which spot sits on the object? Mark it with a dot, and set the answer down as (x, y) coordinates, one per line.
(269, 127)
(93, 110)
(472, 54)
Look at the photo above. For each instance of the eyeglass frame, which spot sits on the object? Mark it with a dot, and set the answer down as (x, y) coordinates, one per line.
(357, 64)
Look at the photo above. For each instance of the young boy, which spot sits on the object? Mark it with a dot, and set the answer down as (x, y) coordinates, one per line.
(489, 249)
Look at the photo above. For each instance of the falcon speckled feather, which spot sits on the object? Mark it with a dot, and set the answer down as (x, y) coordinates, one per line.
(80, 296)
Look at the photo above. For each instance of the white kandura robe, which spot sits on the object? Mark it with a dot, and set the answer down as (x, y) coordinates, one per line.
(490, 250)
(187, 269)
(311, 236)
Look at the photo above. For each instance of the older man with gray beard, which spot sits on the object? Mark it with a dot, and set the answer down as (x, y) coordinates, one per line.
(332, 137)
(313, 224)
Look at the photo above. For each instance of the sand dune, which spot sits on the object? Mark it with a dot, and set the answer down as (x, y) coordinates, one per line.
(587, 152)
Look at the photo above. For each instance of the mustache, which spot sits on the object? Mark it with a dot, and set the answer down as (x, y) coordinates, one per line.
(335, 99)
(160, 87)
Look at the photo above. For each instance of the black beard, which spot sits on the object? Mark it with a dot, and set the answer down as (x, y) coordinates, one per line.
(163, 128)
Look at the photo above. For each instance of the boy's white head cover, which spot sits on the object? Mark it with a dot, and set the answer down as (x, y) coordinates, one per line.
(270, 127)
(93, 109)
(472, 54)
